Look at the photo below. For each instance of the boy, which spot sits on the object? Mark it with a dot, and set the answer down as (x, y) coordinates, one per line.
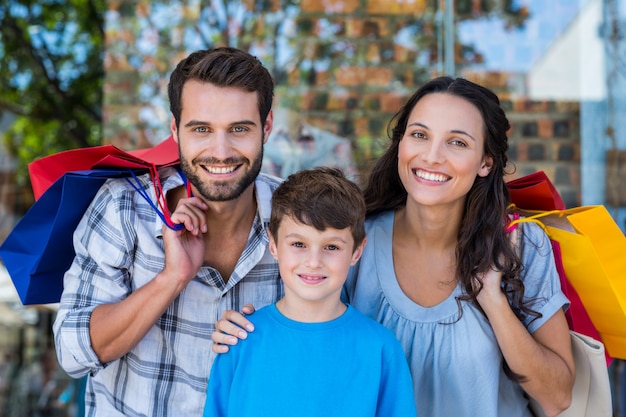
(312, 355)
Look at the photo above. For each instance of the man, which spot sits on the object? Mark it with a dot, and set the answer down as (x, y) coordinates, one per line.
(141, 299)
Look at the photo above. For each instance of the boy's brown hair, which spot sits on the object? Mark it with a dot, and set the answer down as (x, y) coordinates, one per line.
(320, 197)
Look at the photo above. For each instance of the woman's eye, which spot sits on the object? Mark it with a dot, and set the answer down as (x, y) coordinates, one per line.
(418, 135)
(458, 142)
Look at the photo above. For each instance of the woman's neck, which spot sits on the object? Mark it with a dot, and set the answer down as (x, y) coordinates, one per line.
(428, 226)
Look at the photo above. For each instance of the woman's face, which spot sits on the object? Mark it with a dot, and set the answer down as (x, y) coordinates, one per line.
(441, 152)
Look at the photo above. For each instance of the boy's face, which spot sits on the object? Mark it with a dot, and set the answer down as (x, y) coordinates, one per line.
(313, 264)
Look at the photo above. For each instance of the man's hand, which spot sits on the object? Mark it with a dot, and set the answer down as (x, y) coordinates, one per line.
(184, 249)
(231, 327)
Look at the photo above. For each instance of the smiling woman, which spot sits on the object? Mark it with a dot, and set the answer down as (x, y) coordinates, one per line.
(441, 272)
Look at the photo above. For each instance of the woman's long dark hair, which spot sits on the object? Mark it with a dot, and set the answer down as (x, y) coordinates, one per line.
(482, 239)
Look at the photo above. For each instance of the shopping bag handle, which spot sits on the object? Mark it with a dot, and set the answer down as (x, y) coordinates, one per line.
(161, 206)
(534, 217)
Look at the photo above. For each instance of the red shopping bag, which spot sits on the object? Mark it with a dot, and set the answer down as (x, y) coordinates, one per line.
(535, 192)
(45, 171)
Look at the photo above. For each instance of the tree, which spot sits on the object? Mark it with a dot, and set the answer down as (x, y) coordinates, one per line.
(51, 76)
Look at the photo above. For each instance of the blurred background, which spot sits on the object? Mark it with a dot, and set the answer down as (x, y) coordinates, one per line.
(78, 73)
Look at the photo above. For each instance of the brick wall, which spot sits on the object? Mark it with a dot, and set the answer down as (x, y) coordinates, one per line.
(545, 136)
(351, 65)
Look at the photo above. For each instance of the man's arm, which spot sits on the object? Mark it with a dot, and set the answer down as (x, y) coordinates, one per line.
(117, 328)
(101, 317)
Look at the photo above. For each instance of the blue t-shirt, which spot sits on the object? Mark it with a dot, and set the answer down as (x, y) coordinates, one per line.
(456, 364)
(350, 366)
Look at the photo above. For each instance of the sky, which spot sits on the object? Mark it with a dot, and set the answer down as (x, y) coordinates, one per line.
(516, 50)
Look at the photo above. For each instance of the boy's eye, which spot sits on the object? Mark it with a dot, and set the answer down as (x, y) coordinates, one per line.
(298, 244)
(332, 247)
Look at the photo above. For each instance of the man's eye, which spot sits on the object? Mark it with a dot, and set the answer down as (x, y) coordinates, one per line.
(201, 129)
(239, 129)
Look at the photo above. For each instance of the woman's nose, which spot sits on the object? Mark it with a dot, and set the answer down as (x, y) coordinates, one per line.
(433, 153)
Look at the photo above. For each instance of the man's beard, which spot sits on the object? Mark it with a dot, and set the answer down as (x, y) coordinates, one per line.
(222, 190)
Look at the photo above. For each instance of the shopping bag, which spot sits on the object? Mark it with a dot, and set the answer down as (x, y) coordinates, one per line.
(45, 171)
(39, 249)
(576, 315)
(591, 393)
(535, 192)
(592, 252)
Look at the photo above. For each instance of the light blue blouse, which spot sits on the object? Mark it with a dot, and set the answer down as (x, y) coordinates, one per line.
(456, 364)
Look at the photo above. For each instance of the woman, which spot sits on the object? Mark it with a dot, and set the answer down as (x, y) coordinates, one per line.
(479, 313)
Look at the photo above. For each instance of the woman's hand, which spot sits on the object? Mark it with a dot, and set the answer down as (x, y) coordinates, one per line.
(491, 292)
(491, 295)
(231, 327)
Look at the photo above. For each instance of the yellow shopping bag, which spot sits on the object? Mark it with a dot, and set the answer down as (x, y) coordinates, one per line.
(594, 259)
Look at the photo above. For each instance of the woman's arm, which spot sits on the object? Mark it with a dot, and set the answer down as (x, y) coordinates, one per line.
(543, 359)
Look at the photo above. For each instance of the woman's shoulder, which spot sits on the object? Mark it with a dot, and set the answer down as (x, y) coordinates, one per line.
(380, 219)
(532, 235)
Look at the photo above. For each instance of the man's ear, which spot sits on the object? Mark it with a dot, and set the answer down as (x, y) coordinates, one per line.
(267, 127)
(173, 129)
(486, 166)
(356, 255)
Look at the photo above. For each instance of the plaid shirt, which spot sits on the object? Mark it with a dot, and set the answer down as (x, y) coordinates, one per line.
(119, 249)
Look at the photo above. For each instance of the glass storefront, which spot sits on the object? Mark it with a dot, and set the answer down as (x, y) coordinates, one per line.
(344, 67)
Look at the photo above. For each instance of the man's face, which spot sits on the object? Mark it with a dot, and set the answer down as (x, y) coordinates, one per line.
(220, 139)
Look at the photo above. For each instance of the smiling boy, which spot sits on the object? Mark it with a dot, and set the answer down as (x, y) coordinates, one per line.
(311, 354)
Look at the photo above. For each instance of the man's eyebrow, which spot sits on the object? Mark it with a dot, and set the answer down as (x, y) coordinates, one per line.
(193, 123)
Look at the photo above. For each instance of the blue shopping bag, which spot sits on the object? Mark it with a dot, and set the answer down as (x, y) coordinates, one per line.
(39, 249)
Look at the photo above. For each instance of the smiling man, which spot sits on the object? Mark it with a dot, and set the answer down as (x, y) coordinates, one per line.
(141, 299)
